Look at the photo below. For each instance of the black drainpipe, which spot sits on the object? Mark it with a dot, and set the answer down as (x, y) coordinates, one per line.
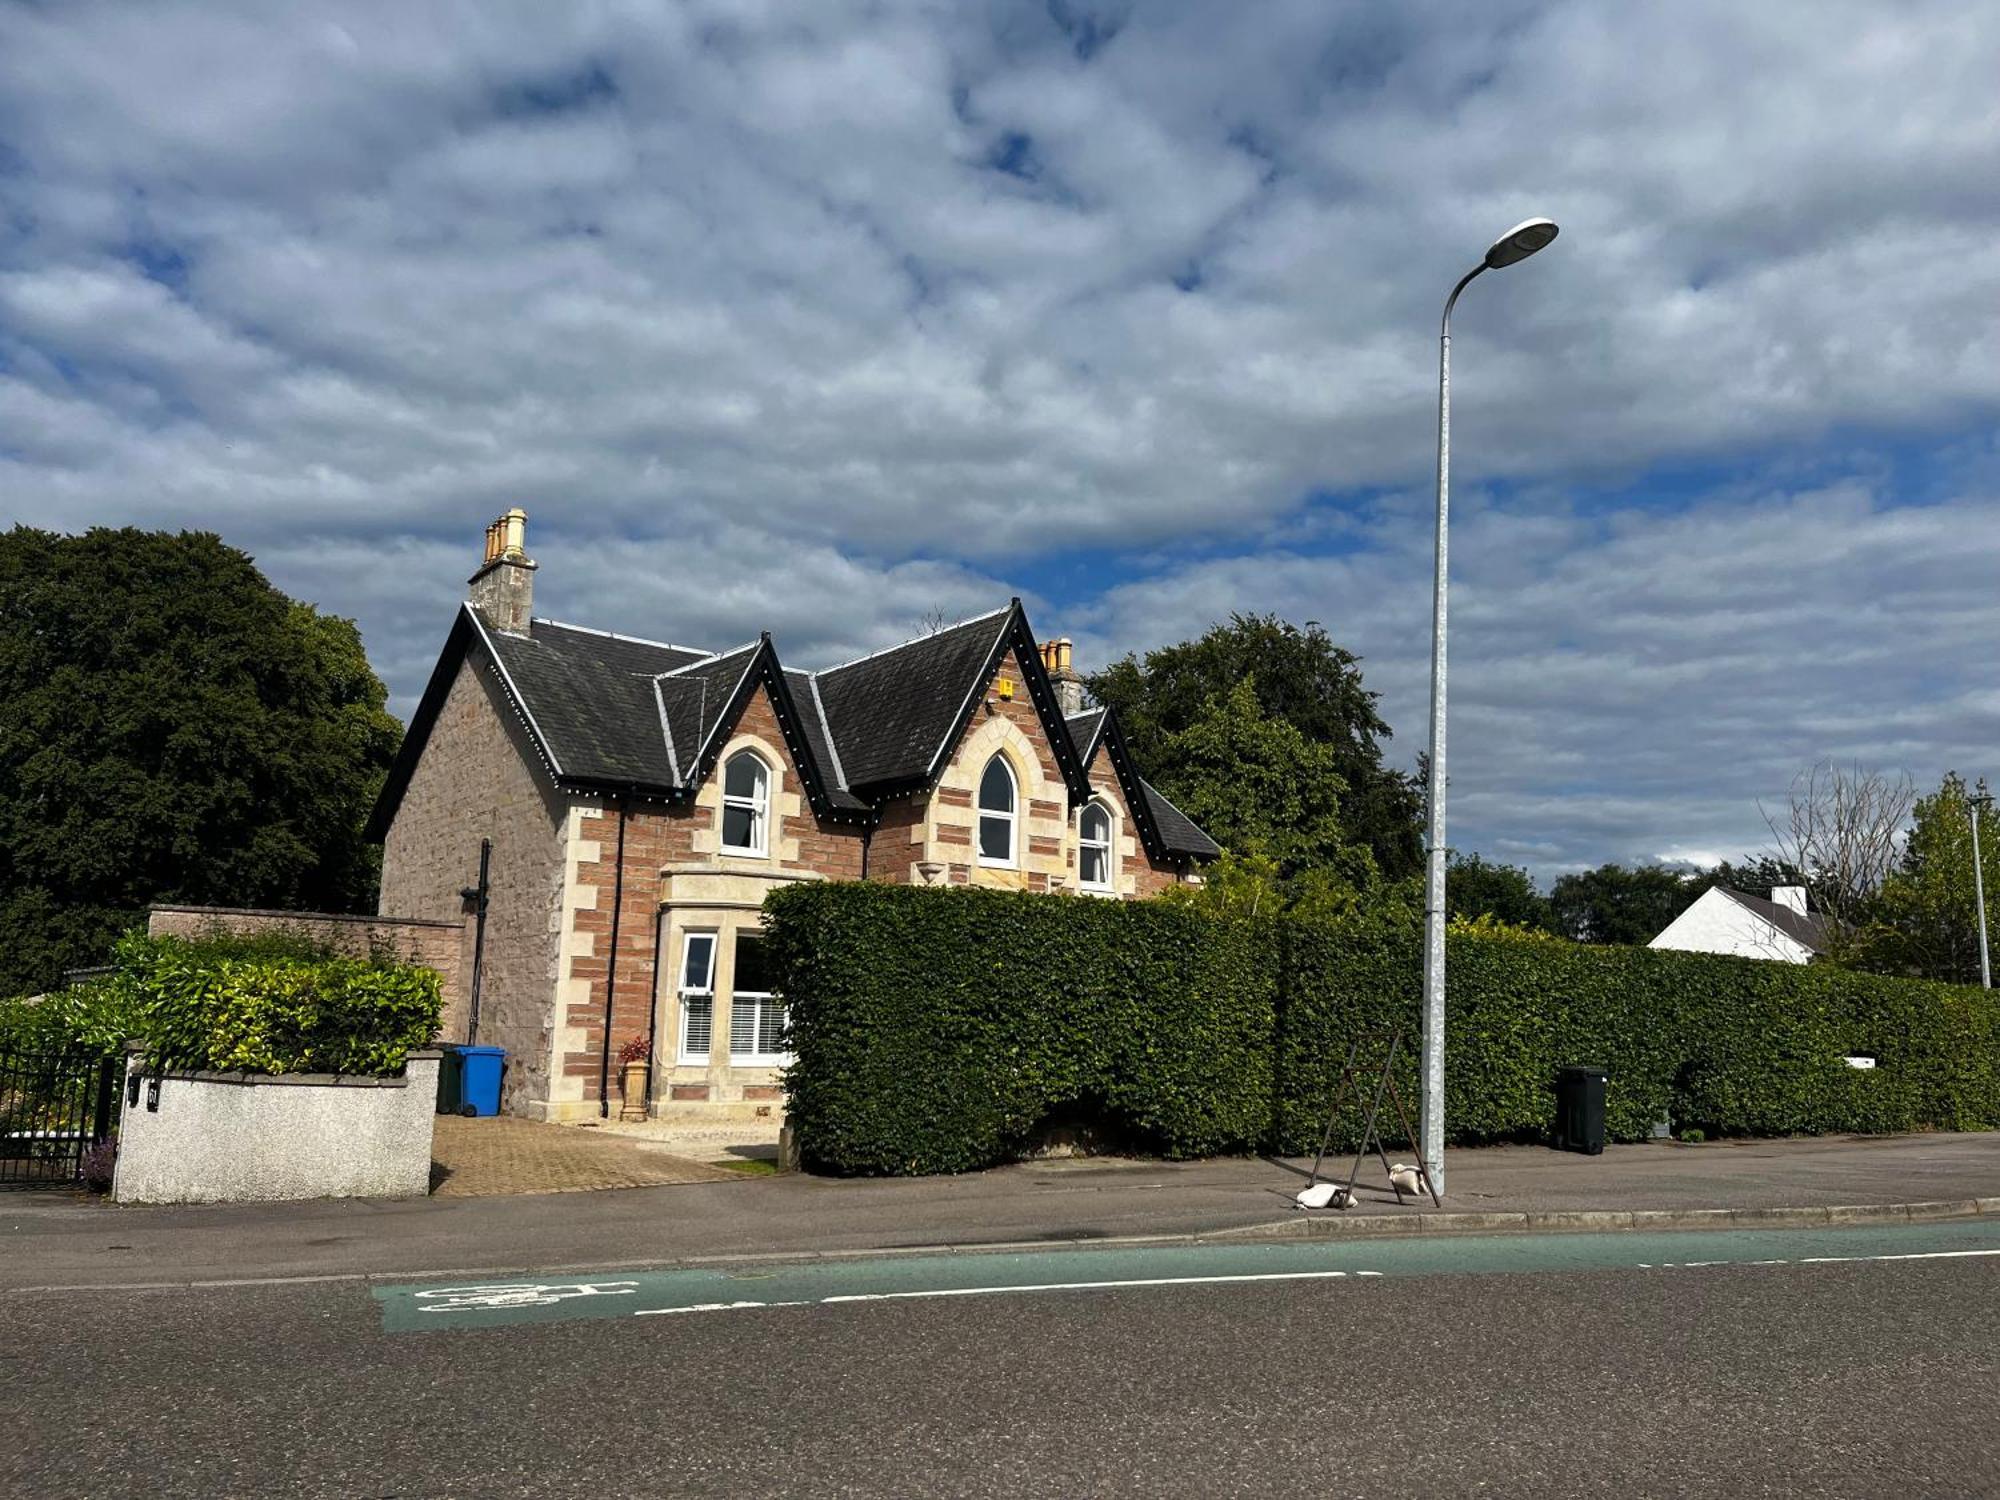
(478, 896)
(867, 837)
(611, 966)
(660, 962)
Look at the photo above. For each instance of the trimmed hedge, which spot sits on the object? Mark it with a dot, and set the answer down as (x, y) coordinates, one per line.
(233, 1005)
(942, 1031)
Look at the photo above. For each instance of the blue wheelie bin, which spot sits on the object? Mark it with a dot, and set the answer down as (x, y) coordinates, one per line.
(479, 1079)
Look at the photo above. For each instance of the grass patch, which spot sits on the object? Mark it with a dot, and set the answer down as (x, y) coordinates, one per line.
(752, 1166)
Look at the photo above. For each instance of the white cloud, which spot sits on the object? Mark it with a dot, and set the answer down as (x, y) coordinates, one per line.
(912, 300)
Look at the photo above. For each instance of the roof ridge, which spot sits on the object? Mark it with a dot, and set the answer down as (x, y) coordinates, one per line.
(914, 640)
(637, 640)
(709, 660)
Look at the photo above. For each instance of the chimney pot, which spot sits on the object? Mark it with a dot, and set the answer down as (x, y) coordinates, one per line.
(503, 590)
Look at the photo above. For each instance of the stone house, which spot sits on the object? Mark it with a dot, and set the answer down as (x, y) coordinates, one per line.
(637, 801)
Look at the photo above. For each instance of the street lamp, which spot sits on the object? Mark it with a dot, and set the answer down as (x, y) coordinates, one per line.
(1974, 806)
(1517, 244)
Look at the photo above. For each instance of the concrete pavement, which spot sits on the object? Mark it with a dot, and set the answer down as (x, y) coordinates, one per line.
(64, 1241)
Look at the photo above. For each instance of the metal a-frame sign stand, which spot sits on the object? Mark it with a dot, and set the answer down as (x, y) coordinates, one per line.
(1352, 1076)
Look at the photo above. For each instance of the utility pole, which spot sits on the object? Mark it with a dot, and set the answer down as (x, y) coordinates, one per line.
(1975, 805)
(1516, 245)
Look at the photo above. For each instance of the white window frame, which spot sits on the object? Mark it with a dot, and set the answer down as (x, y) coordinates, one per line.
(685, 993)
(1109, 846)
(760, 809)
(1012, 817)
(760, 1001)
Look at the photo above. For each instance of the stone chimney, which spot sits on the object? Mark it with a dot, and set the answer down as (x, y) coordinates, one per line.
(1068, 681)
(1792, 897)
(503, 590)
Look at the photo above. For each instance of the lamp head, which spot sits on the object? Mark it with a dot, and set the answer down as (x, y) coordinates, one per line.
(1520, 242)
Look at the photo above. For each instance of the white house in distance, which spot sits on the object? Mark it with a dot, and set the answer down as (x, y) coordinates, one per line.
(1726, 921)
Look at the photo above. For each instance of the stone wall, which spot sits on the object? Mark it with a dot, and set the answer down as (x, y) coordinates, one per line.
(246, 1138)
(439, 945)
(477, 779)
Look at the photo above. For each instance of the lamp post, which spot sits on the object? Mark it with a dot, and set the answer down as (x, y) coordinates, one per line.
(1517, 244)
(1975, 805)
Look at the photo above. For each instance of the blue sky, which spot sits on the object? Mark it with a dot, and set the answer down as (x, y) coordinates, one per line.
(828, 319)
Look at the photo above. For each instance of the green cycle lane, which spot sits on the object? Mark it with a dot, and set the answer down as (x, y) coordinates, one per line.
(566, 1296)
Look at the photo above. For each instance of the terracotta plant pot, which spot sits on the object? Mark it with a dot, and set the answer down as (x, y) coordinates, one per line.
(634, 1086)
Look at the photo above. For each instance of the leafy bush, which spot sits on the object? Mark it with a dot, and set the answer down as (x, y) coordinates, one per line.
(93, 1019)
(940, 1031)
(269, 1004)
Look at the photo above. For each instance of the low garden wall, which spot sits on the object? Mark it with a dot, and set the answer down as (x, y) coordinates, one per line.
(942, 1031)
(207, 1137)
(256, 1065)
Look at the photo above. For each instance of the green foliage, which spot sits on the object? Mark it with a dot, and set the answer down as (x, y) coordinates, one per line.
(270, 1004)
(1300, 678)
(1262, 789)
(942, 1031)
(1925, 918)
(1475, 887)
(1616, 904)
(172, 728)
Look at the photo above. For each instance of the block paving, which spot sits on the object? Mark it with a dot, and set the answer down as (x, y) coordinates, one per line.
(503, 1155)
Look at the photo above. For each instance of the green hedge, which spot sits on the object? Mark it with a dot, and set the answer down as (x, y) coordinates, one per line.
(257, 1006)
(939, 1032)
(942, 1031)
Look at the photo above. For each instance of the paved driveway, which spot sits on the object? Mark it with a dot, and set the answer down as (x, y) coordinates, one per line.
(485, 1158)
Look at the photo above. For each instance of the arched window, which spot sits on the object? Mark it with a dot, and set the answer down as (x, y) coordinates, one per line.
(996, 813)
(1093, 848)
(746, 802)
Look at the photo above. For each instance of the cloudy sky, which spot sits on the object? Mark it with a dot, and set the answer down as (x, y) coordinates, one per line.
(827, 318)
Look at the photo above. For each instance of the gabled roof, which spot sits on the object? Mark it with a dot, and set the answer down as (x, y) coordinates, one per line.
(1164, 829)
(1807, 928)
(616, 714)
(895, 709)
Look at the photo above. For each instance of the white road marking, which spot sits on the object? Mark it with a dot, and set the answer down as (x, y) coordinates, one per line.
(995, 1291)
(1813, 1260)
(1824, 1260)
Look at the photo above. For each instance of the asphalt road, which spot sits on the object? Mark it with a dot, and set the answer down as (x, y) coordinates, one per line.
(1546, 1366)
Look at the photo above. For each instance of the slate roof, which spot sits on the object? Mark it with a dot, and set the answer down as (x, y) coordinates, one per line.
(1808, 928)
(616, 713)
(1177, 829)
(893, 713)
(589, 699)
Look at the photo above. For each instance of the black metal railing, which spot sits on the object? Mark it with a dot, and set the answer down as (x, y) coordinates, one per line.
(53, 1108)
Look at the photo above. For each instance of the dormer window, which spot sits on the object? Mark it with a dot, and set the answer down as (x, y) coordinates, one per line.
(746, 802)
(996, 813)
(1093, 848)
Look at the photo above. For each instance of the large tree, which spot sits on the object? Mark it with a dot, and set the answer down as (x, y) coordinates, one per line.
(1617, 904)
(1476, 887)
(1261, 788)
(171, 728)
(1301, 678)
(1924, 919)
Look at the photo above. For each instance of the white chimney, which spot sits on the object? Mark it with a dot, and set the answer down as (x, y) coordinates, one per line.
(1791, 897)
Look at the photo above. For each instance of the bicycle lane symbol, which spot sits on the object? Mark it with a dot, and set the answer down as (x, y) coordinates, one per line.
(492, 1304)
